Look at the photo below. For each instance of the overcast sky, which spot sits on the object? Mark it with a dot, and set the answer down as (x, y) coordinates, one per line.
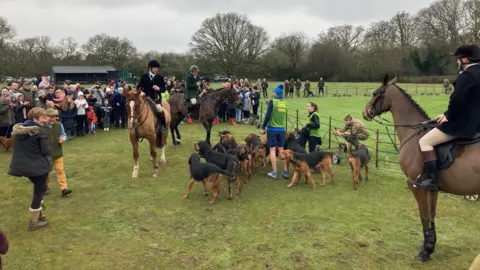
(168, 25)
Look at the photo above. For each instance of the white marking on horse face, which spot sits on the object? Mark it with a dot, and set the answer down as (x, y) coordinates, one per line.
(132, 105)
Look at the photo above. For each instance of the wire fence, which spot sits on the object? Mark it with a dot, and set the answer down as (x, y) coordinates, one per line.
(383, 145)
(367, 90)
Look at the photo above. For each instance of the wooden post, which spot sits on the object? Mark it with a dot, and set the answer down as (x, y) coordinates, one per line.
(376, 150)
(297, 119)
(261, 113)
(330, 133)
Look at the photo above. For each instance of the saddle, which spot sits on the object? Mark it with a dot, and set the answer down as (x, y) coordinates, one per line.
(446, 152)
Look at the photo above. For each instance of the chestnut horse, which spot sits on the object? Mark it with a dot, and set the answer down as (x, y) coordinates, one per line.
(411, 122)
(142, 124)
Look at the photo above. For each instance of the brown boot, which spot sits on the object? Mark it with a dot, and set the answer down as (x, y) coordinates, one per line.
(234, 123)
(33, 222)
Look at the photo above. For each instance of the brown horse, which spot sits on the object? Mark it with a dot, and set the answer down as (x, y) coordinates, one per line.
(210, 101)
(143, 124)
(411, 122)
(178, 111)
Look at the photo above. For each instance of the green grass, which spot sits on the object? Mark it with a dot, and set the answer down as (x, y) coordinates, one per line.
(111, 223)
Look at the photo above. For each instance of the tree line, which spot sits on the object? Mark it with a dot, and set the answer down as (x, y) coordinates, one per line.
(415, 46)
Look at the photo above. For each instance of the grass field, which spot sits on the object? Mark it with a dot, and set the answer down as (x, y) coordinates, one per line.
(111, 223)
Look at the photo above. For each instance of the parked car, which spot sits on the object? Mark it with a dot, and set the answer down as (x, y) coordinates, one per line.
(220, 79)
(9, 79)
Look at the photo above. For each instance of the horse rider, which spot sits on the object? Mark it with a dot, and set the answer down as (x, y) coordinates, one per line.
(353, 132)
(462, 118)
(194, 86)
(153, 85)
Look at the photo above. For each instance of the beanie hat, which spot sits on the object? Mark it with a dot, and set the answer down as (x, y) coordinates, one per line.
(80, 93)
(279, 90)
(16, 95)
(41, 92)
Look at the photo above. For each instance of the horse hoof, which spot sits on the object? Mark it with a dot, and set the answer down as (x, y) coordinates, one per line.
(205, 194)
(163, 162)
(423, 256)
(155, 175)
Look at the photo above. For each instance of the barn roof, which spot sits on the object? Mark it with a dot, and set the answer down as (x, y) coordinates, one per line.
(82, 69)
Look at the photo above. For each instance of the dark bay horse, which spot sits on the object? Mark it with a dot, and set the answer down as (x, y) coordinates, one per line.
(207, 112)
(210, 101)
(143, 124)
(178, 112)
(410, 121)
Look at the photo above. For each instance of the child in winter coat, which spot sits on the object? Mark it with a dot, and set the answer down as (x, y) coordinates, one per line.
(247, 104)
(20, 108)
(92, 120)
(68, 111)
(106, 109)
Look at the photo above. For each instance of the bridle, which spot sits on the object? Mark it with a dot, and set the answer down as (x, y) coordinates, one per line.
(136, 115)
(379, 98)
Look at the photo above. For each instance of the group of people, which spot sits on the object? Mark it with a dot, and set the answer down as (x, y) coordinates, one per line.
(80, 110)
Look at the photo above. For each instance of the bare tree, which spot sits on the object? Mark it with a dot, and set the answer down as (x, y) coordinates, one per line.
(345, 36)
(379, 35)
(109, 50)
(441, 21)
(472, 21)
(7, 32)
(405, 29)
(293, 46)
(230, 40)
(68, 49)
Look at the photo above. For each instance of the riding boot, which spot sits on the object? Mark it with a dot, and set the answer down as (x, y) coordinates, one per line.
(430, 165)
(162, 121)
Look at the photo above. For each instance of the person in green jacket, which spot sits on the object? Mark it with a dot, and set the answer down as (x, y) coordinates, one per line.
(56, 138)
(193, 85)
(313, 127)
(274, 125)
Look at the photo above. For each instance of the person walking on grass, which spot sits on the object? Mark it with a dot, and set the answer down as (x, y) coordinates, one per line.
(274, 126)
(321, 85)
(56, 138)
(313, 127)
(31, 159)
(264, 88)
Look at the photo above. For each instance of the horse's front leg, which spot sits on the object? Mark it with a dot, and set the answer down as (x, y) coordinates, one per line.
(429, 237)
(173, 137)
(163, 159)
(153, 155)
(179, 137)
(134, 143)
(207, 124)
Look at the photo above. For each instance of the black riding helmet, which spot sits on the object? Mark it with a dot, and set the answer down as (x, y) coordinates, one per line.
(153, 64)
(470, 51)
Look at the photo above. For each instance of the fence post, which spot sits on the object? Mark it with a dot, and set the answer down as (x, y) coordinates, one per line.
(416, 89)
(261, 114)
(297, 119)
(356, 90)
(330, 132)
(395, 136)
(376, 150)
(286, 120)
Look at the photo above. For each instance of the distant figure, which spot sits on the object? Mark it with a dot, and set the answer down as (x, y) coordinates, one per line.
(447, 87)
(321, 85)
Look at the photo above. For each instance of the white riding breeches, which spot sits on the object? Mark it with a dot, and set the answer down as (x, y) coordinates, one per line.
(432, 138)
(193, 101)
(159, 108)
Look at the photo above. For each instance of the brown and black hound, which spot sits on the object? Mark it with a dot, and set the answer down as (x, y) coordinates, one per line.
(227, 162)
(304, 162)
(259, 151)
(244, 155)
(6, 143)
(207, 173)
(359, 159)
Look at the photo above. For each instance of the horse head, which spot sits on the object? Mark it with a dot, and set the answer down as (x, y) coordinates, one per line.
(381, 101)
(133, 99)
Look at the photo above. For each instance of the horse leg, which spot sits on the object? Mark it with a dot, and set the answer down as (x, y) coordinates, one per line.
(421, 196)
(173, 137)
(163, 159)
(153, 155)
(135, 158)
(433, 213)
(179, 138)
(207, 124)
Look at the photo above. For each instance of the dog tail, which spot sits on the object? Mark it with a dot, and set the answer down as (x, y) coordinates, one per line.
(220, 171)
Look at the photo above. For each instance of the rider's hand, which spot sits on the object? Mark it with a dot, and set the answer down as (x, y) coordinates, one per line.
(156, 87)
(262, 132)
(442, 118)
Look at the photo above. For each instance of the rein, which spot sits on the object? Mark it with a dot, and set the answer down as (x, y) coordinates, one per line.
(419, 126)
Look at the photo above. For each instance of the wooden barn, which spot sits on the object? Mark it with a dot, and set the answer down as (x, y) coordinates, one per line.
(82, 74)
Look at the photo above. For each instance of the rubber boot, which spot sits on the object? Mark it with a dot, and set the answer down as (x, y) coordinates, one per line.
(430, 165)
(34, 223)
